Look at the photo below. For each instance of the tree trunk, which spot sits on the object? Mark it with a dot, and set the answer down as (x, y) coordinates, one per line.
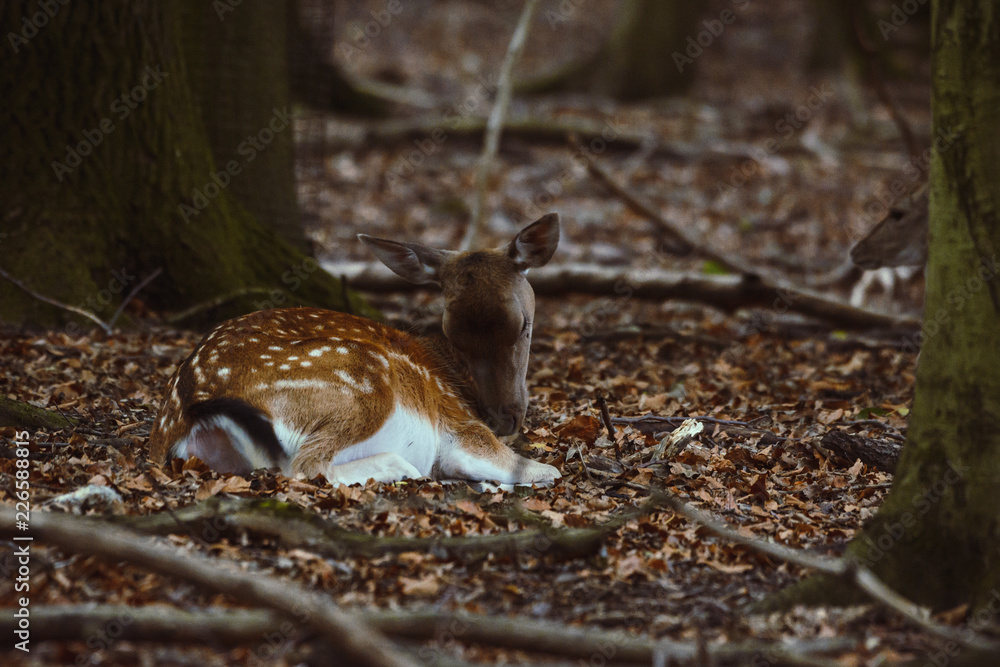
(237, 60)
(651, 52)
(114, 177)
(316, 80)
(937, 537)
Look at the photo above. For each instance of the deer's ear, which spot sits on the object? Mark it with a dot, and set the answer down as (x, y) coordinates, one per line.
(417, 263)
(536, 243)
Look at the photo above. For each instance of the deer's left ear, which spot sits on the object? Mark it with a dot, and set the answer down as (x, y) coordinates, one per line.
(413, 261)
(536, 243)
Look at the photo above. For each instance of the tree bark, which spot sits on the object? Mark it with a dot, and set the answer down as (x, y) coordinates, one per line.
(238, 61)
(25, 415)
(115, 176)
(936, 539)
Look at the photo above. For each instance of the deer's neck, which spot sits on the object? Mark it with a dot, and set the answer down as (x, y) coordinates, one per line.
(451, 367)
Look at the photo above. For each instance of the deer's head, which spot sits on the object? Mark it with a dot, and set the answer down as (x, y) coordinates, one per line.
(489, 309)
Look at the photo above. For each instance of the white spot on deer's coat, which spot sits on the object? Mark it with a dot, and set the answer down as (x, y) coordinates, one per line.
(305, 364)
(293, 358)
(380, 358)
(343, 350)
(275, 348)
(294, 384)
(265, 356)
(318, 352)
(284, 367)
(222, 372)
(364, 387)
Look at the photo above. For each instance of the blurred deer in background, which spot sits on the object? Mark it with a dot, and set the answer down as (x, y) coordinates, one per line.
(895, 247)
(314, 391)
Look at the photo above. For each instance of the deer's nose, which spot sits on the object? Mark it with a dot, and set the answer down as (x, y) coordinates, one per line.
(505, 420)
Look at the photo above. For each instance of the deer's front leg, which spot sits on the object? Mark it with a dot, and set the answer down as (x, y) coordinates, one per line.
(476, 454)
(384, 467)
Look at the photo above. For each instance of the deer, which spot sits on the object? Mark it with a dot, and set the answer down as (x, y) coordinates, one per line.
(313, 391)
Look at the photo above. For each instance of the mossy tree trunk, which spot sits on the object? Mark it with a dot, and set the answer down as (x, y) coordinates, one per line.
(237, 58)
(110, 173)
(936, 539)
(651, 52)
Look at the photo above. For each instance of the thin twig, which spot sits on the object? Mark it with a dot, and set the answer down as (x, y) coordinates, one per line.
(215, 303)
(495, 123)
(58, 304)
(145, 281)
(602, 403)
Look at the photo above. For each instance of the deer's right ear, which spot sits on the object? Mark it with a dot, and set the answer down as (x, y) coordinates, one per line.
(417, 263)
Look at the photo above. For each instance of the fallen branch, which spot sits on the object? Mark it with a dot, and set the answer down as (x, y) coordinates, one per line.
(841, 568)
(527, 126)
(728, 292)
(882, 454)
(131, 295)
(358, 642)
(215, 302)
(494, 125)
(82, 312)
(24, 415)
(683, 242)
(235, 627)
(298, 528)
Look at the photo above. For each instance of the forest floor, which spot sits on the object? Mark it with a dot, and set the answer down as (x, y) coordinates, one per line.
(775, 399)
